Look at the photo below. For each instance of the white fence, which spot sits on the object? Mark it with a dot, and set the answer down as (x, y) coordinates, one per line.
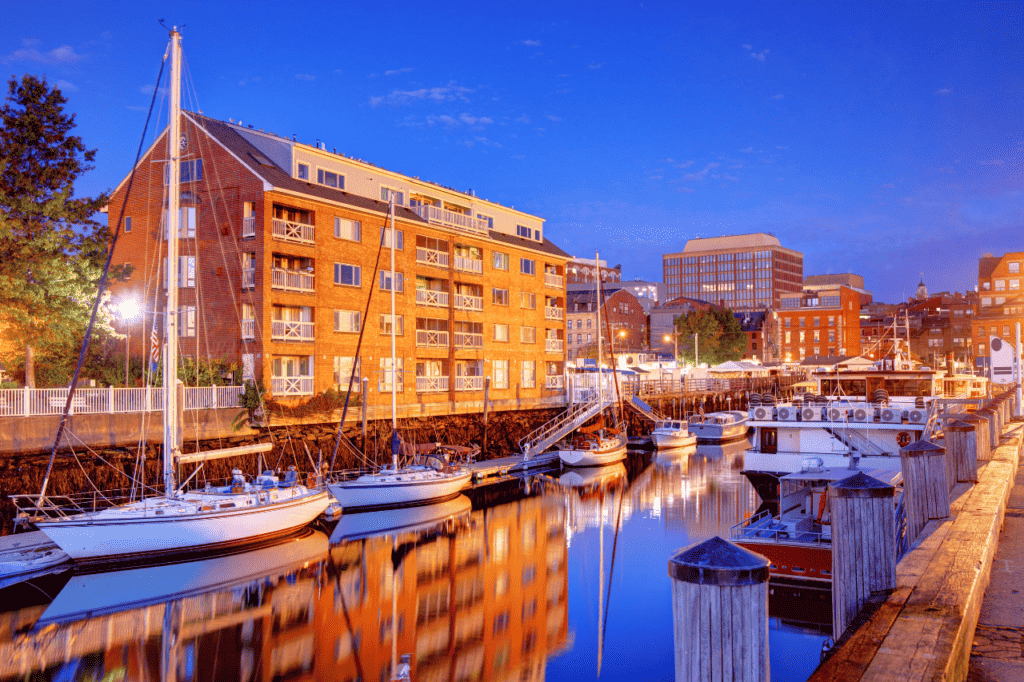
(31, 402)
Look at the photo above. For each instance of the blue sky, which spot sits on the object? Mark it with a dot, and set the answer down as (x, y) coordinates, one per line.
(885, 139)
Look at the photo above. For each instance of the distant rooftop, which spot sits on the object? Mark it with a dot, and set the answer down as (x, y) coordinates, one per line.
(734, 241)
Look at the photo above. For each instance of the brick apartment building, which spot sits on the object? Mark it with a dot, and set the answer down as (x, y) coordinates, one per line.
(281, 239)
(1000, 300)
(819, 323)
(621, 314)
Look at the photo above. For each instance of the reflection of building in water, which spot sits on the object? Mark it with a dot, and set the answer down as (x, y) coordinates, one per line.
(488, 602)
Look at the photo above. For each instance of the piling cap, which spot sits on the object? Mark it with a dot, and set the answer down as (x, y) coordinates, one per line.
(961, 425)
(922, 447)
(862, 485)
(973, 418)
(718, 562)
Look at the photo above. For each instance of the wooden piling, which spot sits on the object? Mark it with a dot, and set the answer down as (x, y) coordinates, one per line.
(720, 613)
(925, 493)
(863, 544)
(983, 447)
(962, 449)
(994, 427)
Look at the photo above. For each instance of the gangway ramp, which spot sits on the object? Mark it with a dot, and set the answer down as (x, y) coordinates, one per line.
(644, 410)
(559, 427)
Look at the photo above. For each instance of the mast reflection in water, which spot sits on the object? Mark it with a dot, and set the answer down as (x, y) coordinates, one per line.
(556, 576)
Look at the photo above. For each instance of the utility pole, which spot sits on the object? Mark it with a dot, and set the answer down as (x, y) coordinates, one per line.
(696, 350)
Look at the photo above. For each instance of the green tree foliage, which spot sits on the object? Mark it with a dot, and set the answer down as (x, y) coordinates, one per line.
(51, 250)
(720, 337)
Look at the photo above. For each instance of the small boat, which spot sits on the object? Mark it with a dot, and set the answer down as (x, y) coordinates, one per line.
(672, 433)
(593, 449)
(719, 426)
(27, 555)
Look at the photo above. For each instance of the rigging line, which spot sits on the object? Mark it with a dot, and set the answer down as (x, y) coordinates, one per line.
(100, 457)
(620, 417)
(357, 361)
(99, 292)
(611, 571)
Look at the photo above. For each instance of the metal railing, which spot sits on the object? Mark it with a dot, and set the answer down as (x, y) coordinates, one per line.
(553, 280)
(431, 384)
(289, 330)
(469, 383)
(290, 231)
(249, 226)
(291, 385)
(248, 329)
(553, 313)
(34, 402)
(555, 381)
(469, 264)
(468, 302)
(292, 280)
(460, 221)
(431, 297)
(248, 278)
(431, 257)
(427, 338)
(469, 340)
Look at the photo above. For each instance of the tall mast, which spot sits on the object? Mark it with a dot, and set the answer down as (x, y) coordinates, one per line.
(172, 444)
(597, 299)
(394, 373)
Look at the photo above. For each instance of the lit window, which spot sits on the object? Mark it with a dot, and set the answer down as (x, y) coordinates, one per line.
(347, 229)
(499, 260)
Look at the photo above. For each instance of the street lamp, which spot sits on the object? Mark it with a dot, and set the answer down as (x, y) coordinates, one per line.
(129, 309)
(675, 340)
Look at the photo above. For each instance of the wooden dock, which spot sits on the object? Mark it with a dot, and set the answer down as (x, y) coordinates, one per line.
(508, 465)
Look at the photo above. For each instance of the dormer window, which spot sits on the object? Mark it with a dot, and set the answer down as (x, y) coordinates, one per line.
(330, 178)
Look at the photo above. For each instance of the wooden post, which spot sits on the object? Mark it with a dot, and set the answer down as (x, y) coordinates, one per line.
(984, 450)
(962, 441)
(925, 493)
(863, 545)
(487, 391)
(720, 612)
(366, 390)
(994, 429)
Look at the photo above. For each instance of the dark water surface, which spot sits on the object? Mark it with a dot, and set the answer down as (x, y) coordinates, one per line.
(519, 580)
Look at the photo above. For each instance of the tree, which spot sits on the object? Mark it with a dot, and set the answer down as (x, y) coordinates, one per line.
(720, 337)
(51, 250)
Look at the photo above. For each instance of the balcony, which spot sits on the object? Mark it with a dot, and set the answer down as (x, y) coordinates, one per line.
(291, 386)
(426, 338)
(472, 265)
(288, 231)
(249, 226)
(552, 280)
(430, 297)
(469, 340)
(248, 278)
(292, 280)
(557, 382)
(469, 383)
(431, 384)
(554, 345)
(467, 302)
(553, 313)
(288, 330)
(458, 221)
(431, 257)
(248, 329)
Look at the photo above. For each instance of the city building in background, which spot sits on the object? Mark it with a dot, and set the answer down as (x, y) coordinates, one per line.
(1000, 302)
(819, 323)
(649, 294)
(845, 279)
(663, 320)
(739, 272)
(621, 314)
(585, 271)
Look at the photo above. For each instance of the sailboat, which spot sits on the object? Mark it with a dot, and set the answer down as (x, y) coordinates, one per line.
(598, 447)
(181, 520)
(399, 486)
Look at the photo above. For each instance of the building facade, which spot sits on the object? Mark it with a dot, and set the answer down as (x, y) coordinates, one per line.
(845, 279)
(819, 323)
(663, 322)
(622, 317)
(1000, 301)
(289, 246)
(587, 271)
(739, 272)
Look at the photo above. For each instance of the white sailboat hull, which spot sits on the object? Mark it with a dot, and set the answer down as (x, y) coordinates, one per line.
(406, 487)
(612, 450)
(673, 440)
(136, 530)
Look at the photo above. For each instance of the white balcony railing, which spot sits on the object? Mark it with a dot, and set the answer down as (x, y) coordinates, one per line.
(460, 221)
(554, 382)
(437, 299)
(431, 384)
(29, 402)
(467, 302)
(291, 385)
(288, 330)
(469, 383)
(431, 257)
(554, 345)
(469, 340)
(553, 280)
(292, 280)
(426, 338)
(288, 231)
(249, 226)
(248, 278)
(553, 313)
(248, 329)
(469, 265)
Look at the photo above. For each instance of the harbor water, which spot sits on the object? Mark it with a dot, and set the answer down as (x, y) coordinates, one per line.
(558, 575)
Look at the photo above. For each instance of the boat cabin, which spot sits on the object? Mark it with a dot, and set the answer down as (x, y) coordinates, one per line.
(863, 385)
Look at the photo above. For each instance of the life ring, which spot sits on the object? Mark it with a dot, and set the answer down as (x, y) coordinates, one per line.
(903, 439)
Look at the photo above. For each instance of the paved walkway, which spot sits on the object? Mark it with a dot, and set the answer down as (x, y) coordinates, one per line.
(998, 651)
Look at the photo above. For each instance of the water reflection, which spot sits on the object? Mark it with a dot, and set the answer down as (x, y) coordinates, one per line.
(557, 576)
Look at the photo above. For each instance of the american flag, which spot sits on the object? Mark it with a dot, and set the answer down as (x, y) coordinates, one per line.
(154, 348)
(700, 409)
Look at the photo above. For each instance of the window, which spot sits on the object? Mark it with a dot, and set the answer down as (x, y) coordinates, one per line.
(831, 320)
(499, 297)
(186, 222)
(803, 336)
(346, 321)
(789, 337)
(303, 171)
(1014, 284)
(499, 370)
(529, 374)
(389, 377)
(343, 370)
(487, 219)
(499, 260)
(579, 338)
(528, 334)
(501, 333)
(187, 321)
(385, 235)
(1000, 285)
(528, 300)
(186, 271)
(817, 322)
(348, 275)
(330, 179)
(128, 223)
(803, 321)
(387, 192)
(344, 228)
(524, 232)
(527, 266)
(385, 324)
(387, 278)
(191, 171)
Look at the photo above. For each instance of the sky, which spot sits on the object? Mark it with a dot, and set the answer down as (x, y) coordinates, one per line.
(884, 139)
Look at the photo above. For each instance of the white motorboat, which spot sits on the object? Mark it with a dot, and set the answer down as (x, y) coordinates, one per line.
(593, 449)
(179, 520)
(672, 433)
(26, 555)
(718, 426)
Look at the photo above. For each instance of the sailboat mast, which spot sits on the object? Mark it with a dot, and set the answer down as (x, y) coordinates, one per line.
(394, 372)
(597, 299)
(171, 432)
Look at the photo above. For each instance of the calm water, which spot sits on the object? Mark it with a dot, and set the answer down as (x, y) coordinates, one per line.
(519, 580)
